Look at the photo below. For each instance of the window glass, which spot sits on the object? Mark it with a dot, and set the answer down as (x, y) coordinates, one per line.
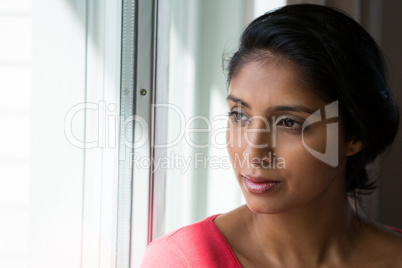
(15, 120)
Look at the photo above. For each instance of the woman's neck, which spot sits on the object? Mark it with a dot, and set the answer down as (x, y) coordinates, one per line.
(311, 235)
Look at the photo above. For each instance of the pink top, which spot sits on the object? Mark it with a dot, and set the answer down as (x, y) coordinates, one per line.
(197, 245)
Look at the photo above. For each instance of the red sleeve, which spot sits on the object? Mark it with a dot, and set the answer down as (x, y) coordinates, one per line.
(196, 245)
(160, 254)
(395, 229)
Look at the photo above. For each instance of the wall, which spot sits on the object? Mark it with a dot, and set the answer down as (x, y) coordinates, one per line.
(390, 198)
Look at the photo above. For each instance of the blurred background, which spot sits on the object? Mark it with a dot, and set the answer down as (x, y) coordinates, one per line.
(59, 202)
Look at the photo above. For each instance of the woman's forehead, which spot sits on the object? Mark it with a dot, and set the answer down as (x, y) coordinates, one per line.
(270, 84)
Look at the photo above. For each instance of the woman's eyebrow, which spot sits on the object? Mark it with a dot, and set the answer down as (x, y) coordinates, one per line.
(284, 108)
(292, 108)
(237, 100)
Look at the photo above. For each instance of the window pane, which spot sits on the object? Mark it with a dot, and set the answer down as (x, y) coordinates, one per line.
(15, 123)
(201, 33)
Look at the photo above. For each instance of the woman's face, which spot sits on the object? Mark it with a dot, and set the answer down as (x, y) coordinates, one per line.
(268, 106)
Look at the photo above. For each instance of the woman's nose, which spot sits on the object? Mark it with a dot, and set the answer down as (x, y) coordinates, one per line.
(258, 142)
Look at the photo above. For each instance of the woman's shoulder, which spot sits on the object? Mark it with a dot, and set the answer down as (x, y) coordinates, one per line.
(197, 245)
(383, 243)
(383, 233)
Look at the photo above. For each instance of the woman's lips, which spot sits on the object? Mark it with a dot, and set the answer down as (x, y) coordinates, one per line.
(259, 185)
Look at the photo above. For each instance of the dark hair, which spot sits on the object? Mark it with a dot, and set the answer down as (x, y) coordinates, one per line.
(338, 60)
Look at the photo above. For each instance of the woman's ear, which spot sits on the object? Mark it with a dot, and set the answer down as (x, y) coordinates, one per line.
(353, 146)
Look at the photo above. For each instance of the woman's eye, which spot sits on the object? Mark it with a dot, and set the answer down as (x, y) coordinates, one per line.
(238, 117)
(289, 123)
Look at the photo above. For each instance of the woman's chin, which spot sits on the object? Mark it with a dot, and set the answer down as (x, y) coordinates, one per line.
(263, 208)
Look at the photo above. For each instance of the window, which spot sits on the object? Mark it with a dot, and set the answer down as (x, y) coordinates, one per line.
(77, 197)
(15, 118)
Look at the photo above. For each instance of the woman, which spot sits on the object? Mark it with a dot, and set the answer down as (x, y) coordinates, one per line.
(307, 87)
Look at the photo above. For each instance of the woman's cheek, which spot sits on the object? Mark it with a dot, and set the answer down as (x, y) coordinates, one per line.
(234, 141)
(315, 137)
